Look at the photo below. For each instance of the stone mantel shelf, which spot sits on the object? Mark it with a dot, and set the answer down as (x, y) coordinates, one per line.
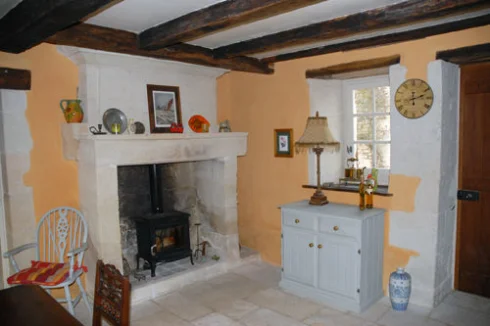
(149, 148)
(79, 131)
(112, 137)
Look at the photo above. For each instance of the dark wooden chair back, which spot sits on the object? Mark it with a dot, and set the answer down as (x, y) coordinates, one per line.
(111, 296)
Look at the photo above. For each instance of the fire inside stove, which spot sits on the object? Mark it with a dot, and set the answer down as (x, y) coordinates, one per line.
(165, 239)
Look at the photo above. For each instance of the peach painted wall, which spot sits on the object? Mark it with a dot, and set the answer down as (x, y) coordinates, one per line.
(259, 104)
(53, 179)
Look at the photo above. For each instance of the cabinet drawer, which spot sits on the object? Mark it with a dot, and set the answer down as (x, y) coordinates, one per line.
(299, 220)
(340, 226)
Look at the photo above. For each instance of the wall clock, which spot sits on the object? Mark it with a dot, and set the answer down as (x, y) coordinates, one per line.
(414, 98)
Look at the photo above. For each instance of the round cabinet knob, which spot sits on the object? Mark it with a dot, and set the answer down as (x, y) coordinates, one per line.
(336, 228)
(296, 221)
(320, 246)
(311, 245)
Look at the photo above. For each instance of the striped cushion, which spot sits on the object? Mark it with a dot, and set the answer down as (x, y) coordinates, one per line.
(43, 273)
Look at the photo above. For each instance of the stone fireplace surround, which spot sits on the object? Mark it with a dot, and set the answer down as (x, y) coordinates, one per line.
(99, 156)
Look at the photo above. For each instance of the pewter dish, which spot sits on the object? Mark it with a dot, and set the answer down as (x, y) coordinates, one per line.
(114, 115)
(138, 128)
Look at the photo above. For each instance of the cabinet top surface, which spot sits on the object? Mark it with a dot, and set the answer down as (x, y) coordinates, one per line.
(332, 209)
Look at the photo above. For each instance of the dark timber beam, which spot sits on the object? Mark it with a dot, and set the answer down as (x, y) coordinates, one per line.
(353, 66)
(32, 21)
(15, 79)
(469, 54)
(113, 40)
(218, 17)
(384, 39)
(407, 12)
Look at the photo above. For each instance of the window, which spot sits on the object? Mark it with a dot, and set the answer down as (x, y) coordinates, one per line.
(367, 113)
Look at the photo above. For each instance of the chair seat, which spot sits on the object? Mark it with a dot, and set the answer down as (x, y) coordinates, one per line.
(43, 273)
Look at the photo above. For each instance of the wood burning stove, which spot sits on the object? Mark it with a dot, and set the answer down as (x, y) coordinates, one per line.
(162, 236)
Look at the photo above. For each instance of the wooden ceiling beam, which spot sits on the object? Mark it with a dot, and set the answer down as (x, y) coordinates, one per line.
(215, 18)
(381, 40)
(32, 21)
(119, 41)
(465, 55)
(15, 79)
(407, 12)
(353, 66)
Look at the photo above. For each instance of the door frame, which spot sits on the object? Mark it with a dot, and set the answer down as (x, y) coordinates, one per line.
(472, 54)
(3, 224)
(457, 230)
(3, 233)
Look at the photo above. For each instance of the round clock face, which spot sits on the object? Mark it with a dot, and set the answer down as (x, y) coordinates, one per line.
(414, 98)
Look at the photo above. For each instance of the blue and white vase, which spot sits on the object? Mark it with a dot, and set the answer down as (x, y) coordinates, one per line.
(400, 288)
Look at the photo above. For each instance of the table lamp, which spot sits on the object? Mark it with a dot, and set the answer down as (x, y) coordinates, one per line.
(318, 137)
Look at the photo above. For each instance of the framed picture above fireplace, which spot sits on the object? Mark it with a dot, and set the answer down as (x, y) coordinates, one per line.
(163, 107)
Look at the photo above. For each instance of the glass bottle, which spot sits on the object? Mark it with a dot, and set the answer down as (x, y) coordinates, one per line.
(362, 202)
(369, 196)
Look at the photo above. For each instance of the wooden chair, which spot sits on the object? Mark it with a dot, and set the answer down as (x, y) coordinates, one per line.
(61, 241)
(111, 296)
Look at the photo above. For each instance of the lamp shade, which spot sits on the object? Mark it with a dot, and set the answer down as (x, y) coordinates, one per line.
(317, 135)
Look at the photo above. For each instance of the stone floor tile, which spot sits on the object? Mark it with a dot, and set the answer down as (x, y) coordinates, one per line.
(266, 317)
(225, 279)
(182, 307)
(215, 319)
(196, 289)
(373, 313)
(330, 317)
(212, 298)
(458, 316)
(235, 309)
(265, 274)
(143, 309)
(163, 318)
(406, 318)
(284, 303)
(250, 296)
(238, 287)
(468, 301)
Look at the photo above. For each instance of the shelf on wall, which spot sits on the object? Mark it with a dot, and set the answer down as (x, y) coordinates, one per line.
(381, 191)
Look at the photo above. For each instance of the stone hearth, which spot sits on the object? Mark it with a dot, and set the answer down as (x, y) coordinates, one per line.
(214, 176)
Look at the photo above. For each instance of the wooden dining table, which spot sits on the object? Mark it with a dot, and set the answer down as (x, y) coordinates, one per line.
(33, 306)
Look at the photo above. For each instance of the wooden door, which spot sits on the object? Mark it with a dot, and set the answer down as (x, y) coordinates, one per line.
(473, 232)
(338, 265)
(299, 255)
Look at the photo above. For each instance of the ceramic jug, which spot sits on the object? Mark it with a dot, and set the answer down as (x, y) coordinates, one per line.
(72, 110)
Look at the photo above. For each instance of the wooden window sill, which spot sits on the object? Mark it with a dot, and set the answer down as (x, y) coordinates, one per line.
(381, 191)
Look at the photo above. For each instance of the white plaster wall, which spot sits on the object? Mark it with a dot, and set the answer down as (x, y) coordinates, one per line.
(444, 273)
(416, 152)
(110, 80)
(15, 147)
(326, 98)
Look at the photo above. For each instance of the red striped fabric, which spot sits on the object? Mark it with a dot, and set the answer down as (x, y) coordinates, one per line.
(43, 273)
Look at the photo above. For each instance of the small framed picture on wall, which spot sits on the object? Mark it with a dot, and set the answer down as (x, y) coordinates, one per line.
(283, 142)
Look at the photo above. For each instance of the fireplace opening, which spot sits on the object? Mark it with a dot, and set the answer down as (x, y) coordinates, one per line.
(157, 231)
(203, 192)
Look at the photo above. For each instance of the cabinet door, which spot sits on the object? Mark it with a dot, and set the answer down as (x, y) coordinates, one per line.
(298, 257)
(338, 265)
